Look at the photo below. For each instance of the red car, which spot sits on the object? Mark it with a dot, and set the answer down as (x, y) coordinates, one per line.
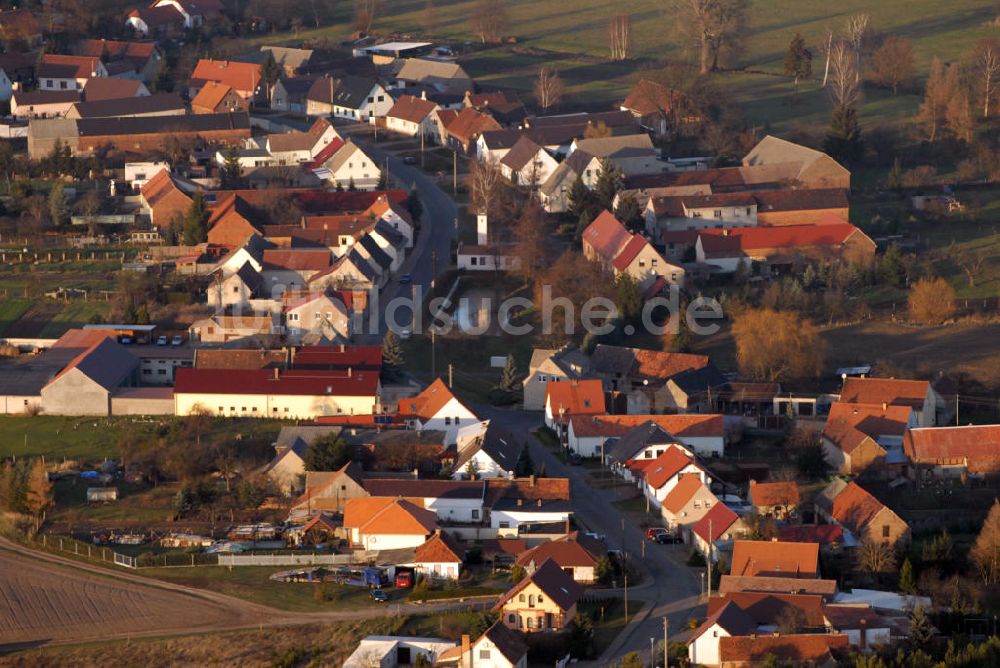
(404, 580)
(655, 532)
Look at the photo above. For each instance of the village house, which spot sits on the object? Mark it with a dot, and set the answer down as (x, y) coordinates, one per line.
(293, 61)
(554, 193)
(437, 408)
(503, 105)
(865, 628)
(165, 198)
(644, 377)
(917, 394)
(87, 382)
(545, 600)
(287, 470)
(727, 621)
(289, 95)
(330, 490)
(412, 116)
(806, 166)
(687, 503)
(657, 107)
(164, 21)
(350, 271)
(857, 511)
(826, 589)
(565, 399)
(953, 452)
(243, 78)
(527, 164)
(316, 316)
(607, 241)
(632, 154)
(770, 611)
(195, 12)
(297, 147)
(104, 88)
(781, 249)
(59, 72)
(464, 128)
(487, 450)
(384, 523)
(439, 75)
(217, 98)
(42, 103)
(703, 435)
(350, 167)
(498, 647)
(866, 438)
(439, 558)
(574, 553)
(773, 558)
(813, 650)
(661, 475)
(566, 363)
(397, 651)
(145, 106)
(129, 60)
(462, 501)
(779, 500)
(716, 531)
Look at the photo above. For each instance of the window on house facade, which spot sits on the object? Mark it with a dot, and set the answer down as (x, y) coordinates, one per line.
(475, 514)
(718, 213)
(447, 420)
(885, 531)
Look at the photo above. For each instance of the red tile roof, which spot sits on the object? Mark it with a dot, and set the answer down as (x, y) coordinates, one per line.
(890, 391)
(411, 108)
(469, 124)
(662, 365)
(823, 534)
(688, 485)
(720, 518)
(104, 88)
(855, 507)
(775, 559)
(849, 425)
(428, 403)
(798, 648)
(242, 77)
(734, 583)
(303, 259)
(76, 66)
(764, 494)
(373, 515)
(606, 235)
(211, 94)
(634, 246)
(768, 609)
(666, 466)
(566, 398)
(566, 553)
(689, 425)
(439, 549)
(263, 381)
(975, 446)
(790, 236)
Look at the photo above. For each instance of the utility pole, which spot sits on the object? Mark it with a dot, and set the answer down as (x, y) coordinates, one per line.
(433, 355)
(626, 599)
(666, 645)
(450, 377)
(956, 410)
(421, 146)
(454, 172)
(710, 541)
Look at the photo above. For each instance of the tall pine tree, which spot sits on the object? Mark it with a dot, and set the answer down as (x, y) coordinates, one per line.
(509, 380)
(843, 141)
(798, 60)
(196, 221)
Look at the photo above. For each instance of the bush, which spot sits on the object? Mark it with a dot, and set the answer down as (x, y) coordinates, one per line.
(695, 559)
(931, 301)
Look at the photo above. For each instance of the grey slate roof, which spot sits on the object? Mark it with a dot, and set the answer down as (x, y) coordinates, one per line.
(628, 444)
(352, 92)
(375, 254)
(499, 443)
(147, 104)
(89, 127)
(704, 381)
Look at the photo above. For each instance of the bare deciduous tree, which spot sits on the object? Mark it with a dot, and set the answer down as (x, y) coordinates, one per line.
(985, 553)
(858, 30)
(892, 63)
(620, 36)
(488, 20)
(844, 83)
(777, 345)
(931, 301)
(972, 263)
(429, 19)
(365, 12)
(714, 26)
(485, 178)
(986, 63)
(549, 88)
(875, 557)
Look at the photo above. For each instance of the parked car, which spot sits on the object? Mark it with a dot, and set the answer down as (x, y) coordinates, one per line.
(574, 458)
(405, 279)
(379, 596)
(666, 539)
(404, 580)
(653, 532)
(177, 340)
(161, 340)
(409, 160)
(594, 535)
(125, 340)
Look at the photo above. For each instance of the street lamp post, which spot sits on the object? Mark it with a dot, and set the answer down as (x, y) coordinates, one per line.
(702, 583)
(652, 652)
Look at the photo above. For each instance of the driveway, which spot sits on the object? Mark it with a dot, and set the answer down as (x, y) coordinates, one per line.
(669, 588)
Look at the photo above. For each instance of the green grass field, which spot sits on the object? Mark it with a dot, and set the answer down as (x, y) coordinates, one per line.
(10, 311)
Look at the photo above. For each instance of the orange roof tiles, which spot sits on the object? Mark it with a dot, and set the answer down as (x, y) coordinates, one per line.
(606, 235)
(977, 446)
(791, 236)
(768, 609)
(566, 398)
(666, 466)
(661, 364)
(210, 95)
(411, 108)
(890, 391)
(689, 425)
(855, 507)
(428, 403)
(687, 486)
(566, 553)
(849, 425)
(439, 549)
(775, 559)
(469, 123)
(385, 515)
(649, 97)
(806, 647)
(242, 77)
(719, 518)
(774, 493)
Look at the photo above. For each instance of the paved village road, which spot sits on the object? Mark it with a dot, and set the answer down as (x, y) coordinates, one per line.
(670, 587)
(433, 238)
(46, 599)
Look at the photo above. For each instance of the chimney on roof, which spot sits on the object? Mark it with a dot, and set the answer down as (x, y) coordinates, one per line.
(466, 649)
(520, 502)
(567, 525)
(276, 373)
(416, 474)
(885, 406)
(725, 232)
(437, 531)
(531, 480)
(348, 372)
(538, 502)
(291, 356)
(775, 634)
